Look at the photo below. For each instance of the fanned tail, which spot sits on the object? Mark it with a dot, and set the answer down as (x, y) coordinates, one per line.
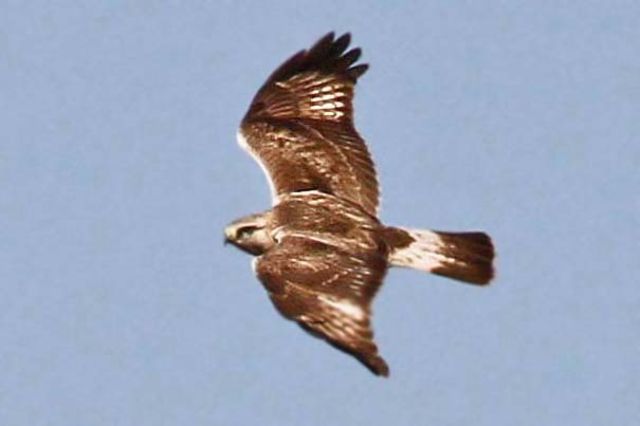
(464, 256)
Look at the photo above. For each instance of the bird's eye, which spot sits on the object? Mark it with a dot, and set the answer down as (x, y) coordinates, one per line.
(246, 232)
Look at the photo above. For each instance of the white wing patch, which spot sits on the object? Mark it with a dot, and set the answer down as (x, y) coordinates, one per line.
(327, 101)
(242, 141)
(349, 308)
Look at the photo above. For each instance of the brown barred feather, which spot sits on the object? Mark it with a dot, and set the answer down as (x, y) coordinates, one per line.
(308, 101)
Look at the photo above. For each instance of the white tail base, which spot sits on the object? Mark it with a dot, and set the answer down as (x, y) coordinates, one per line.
(424, 253)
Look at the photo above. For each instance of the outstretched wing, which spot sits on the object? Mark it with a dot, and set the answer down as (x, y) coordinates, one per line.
(300, 128)
(326, 291)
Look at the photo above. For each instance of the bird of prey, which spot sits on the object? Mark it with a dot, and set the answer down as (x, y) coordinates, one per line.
(321, 251)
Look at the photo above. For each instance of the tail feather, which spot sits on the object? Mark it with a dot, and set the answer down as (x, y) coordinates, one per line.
(464, 256)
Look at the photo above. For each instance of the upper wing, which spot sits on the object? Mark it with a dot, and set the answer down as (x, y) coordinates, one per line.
(328, 292)
(300, 129)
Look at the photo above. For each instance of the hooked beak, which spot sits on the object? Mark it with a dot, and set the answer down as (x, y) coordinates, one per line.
(228, 233)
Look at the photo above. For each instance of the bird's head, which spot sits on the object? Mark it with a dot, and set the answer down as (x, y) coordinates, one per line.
(250, 233)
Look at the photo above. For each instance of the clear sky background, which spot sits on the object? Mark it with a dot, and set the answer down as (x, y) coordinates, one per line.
(119, 169)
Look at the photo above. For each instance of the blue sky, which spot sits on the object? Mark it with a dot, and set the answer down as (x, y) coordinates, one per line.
(119, 304)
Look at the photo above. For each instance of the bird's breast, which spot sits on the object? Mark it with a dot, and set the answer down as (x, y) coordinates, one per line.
(328, 219)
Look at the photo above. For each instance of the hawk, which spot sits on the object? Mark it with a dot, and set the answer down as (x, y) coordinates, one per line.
(320, 251)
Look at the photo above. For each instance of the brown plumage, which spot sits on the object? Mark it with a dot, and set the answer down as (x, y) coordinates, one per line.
(322, 252)
(300, 125)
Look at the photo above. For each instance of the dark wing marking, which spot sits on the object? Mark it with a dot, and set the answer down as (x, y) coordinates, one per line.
(326, 291)
(300, 128)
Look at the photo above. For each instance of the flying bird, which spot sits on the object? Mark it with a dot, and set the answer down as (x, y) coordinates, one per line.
(320, 251)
